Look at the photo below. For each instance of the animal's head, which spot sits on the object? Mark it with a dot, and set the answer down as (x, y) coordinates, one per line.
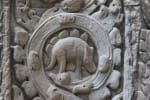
(115, 7)
(72, 5)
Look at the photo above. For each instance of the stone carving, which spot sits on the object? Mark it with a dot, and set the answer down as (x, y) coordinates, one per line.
(104, 63)
(34, 61)
(131, 56)
(1, 34)
(72, 5)
(66, 19)
(21, 72)
(145, 6)
(143, 89)
(37, 98)
(27, 17)
(72, 63)
(102, 13)
(29, 89)
(118, 97)
(143, 62)
(18, 95)
(115, 37)
(65, 50)
(19, 53)
(1, 42)
(6, 83)
(76, 51)
(21, 36)
(111, 13)
(49, 1)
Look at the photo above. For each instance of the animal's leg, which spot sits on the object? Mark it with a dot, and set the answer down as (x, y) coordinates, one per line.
(62, 63)
(52, 63)
(78, 64)
(89, 63)
(85, 55)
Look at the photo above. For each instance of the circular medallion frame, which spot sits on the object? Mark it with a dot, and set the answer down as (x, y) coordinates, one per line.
(61, 21)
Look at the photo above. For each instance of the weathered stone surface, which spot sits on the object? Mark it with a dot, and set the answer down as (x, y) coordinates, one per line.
(37, 98)
(74, 50)
(18, 95)
(117, 57)
(115, 37)
(113, 81)
(21, 36)
(21, 72)
(29, 89)
(19, 53)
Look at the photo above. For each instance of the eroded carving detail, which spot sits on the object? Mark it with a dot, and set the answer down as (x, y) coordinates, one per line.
(76, 51)
(144, 64)
(26, 17)
(69, 55)
(70, 58)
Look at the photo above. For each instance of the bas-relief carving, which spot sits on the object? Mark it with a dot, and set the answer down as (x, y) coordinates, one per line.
(143, 88)
(143, 62)
(70, 51)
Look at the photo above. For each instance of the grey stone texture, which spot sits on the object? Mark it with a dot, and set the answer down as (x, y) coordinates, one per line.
(74, 50)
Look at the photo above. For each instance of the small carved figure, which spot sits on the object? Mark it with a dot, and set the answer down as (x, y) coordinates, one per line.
(64, 80)
(110, 16)
(73, 50)
(115, 6)
(115, 11)
(102, 13)
(73, 5)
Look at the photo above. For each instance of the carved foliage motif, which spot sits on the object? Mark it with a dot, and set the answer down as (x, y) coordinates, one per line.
(73, 51)
(26, 17)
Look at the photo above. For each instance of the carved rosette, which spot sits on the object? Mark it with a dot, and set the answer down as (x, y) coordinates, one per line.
(73, 52)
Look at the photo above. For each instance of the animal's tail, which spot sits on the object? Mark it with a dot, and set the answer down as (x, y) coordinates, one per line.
(52, 63)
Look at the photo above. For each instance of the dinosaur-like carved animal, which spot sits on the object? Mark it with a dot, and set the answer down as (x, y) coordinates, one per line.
(73, 50)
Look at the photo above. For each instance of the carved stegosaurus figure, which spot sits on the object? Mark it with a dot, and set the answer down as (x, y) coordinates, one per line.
(74, 50)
